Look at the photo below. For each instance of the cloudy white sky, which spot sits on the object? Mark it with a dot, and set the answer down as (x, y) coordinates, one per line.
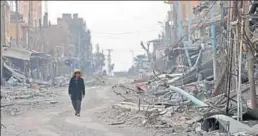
(117, 25)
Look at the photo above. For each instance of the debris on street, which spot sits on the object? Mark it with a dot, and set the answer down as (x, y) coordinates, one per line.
(16, 100)
(185, 88)
(198, 77)
(205, 85)
(98, 80)
(161, 107)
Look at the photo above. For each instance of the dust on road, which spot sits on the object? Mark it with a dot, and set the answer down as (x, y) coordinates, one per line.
(58, 119)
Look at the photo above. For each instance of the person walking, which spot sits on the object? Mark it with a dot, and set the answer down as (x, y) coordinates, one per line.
(76, 91)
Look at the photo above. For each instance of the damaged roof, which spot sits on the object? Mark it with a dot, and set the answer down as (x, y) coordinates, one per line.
(22, 53)
(18, 53)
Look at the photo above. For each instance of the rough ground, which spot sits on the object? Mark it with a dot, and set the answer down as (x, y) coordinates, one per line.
(58, 119)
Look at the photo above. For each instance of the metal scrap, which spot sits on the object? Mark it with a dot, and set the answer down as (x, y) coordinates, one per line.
(231, 125)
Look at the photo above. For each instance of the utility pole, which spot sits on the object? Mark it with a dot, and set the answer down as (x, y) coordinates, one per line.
(109, 60)
(213, 41)
(132, 52)
(45, 25)
(229, 62)
(250, 63)
(173, 17)
(189, 21)
(30, 24)
(181, 32)
(17, 23)
(79, 47)
(3, 42)
(97, 48)
(239, 89)
(3, 27)
(174, 22)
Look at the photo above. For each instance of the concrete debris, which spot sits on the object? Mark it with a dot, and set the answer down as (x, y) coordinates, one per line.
(230, 125)
(53, 102)
(188, 85)
(188, 96)
(133, 106)
(61, 81)
(117, 123)
(13, 73)
(17, 100)
(96, 81)
(2, 125)
(177, 124)
(179, 102)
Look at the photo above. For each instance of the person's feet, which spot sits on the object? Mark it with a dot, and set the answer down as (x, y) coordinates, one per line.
(77, 114)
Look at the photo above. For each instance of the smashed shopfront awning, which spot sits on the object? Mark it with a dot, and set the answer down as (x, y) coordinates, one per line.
(18, 53)
(10, 72)
(40, 55)
(23, 54)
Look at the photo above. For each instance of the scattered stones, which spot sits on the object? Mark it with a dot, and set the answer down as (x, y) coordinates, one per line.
(53, 102)
(156, 111)
(17, 100)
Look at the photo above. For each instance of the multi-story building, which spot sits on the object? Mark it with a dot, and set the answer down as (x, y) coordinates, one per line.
(179, 15)
(20, 25)
(197, 12)
(186, 10)
(5, 23)
(80, 36)
(186, 14)
(36, 11)
(56, 38)
(16, 28)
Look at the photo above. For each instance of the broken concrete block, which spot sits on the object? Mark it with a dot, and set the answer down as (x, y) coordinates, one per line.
(53, 102)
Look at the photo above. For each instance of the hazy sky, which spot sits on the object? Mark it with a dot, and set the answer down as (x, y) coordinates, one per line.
(119, 25)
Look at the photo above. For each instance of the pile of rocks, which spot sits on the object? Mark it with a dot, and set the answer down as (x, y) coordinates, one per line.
(16, 100)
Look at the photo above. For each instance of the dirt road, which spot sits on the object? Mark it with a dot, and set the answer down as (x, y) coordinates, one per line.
(59, 120)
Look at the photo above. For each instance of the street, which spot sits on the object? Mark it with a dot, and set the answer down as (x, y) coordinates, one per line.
(157, 68)
(59, 120)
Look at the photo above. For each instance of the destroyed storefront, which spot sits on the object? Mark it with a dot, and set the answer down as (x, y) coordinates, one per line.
(40, 66)
(205, 89)
(21, 64)
(16, 63)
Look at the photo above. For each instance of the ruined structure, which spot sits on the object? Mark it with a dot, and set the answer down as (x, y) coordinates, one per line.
(36, 11)
(69, 38)
(5, 22)
(80, 36)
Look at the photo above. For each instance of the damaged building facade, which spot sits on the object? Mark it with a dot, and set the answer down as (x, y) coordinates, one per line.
(208, 63)
(80, 38)
(21, 57)
(36, 49)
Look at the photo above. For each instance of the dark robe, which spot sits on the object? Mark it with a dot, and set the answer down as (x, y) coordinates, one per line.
(76, 88)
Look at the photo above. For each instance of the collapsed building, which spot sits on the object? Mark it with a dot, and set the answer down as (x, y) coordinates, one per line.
(42, 49)
(19, 63)
(210, 66)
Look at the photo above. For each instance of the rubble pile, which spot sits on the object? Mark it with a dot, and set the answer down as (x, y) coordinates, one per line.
(143, 108)
(16, 100)
(162, 103)
(96, 81)
(61, 81)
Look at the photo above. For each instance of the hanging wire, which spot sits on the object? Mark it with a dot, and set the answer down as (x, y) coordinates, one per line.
(229, 62)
